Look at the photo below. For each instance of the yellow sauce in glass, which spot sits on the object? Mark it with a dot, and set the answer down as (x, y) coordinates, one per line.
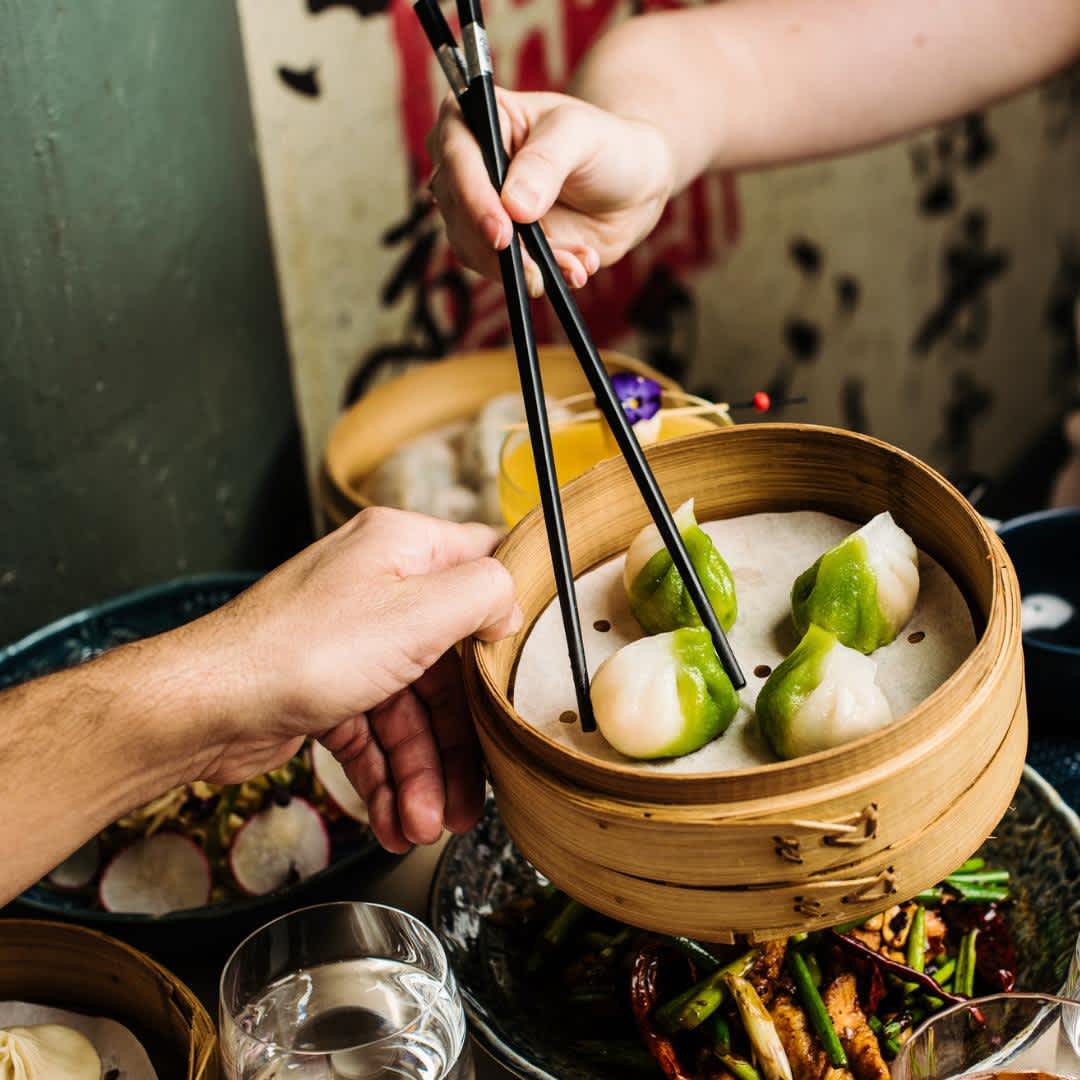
(577, 448)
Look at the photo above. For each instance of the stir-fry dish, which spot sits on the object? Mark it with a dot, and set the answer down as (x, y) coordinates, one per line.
(203, 843)
(828, 1005)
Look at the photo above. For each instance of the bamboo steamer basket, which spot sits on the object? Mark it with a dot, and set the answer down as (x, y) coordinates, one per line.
(71, 967)
(431, 396)
(761, 852)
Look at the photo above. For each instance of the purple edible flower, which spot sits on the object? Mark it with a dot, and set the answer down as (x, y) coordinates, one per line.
(640, 396)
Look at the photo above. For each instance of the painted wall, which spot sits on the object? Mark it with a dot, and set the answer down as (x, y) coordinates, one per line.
(921, 292)
(146, 419)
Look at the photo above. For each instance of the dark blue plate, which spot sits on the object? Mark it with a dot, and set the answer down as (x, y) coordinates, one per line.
(1044, 548)
(1038, 841)
(79, 637)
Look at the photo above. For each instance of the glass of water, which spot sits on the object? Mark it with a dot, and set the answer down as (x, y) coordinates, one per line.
(343, 990)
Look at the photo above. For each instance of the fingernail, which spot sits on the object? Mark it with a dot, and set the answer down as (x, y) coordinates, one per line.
(578, 278)
(520, 193)
(517, 619)
(493, 228)
(592, 261)
(534, 281)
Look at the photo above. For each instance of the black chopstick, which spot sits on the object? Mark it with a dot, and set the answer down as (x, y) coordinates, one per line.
(481, 113)
(532, 387)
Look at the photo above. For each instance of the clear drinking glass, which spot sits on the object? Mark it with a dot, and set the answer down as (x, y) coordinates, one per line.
(346, 991)
(1008, 1035)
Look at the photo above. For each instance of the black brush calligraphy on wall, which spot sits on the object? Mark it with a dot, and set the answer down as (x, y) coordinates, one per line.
(970, 266)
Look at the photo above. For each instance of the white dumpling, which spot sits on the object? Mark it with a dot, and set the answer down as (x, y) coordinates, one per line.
(456, 503)
(415, 476)
(663, 696)
(844, 701)
(483, 441)
(47, 1052)
(894, 560)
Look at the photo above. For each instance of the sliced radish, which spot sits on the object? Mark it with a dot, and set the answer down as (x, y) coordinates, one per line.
(276, 842)
(79, 868)
(158, 874)
(331, 774)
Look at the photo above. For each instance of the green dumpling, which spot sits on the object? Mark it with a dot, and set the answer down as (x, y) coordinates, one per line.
(663, 696)
(864, 589)
(657, 595)
(824, 694)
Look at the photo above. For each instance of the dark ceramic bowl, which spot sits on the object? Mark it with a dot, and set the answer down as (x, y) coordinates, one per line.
(1045, 549)
(1038, 841)
(88, 633)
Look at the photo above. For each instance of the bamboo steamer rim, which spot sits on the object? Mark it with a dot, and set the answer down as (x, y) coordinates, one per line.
(344, 482)
(182, 1004)
(1001, 626)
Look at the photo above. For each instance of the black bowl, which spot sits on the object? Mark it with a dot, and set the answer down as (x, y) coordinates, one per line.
(1045, 549)
(79, 637)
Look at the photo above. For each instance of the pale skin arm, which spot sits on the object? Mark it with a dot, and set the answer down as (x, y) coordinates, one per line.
(351, 642)
(739, 84)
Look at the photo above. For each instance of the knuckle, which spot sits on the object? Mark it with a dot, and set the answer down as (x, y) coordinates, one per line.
(379, 519)
(495, 579)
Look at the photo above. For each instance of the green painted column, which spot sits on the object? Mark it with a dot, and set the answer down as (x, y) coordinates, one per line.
(147, 427)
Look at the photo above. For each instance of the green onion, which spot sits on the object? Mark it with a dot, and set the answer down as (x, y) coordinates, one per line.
(740, 1069)
(815, 1009)
(596, 940)
(692, 1007)
(970, 866)
(944, 971)
(965, 967)
(695, 952)
(814, 966)
(985, 877)
(718, 1032)
(916, 946)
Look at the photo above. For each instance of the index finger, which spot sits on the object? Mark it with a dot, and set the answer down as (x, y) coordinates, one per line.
(463, 189)
(417, 544)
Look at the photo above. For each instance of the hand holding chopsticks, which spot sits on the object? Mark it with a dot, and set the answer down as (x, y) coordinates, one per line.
(470, 77)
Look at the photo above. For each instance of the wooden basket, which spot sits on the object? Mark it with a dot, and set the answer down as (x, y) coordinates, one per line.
(429, 397)
(819, 840)
(70, 967)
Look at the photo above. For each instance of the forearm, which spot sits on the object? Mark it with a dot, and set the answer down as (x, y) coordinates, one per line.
(750, 83)
(80, 748)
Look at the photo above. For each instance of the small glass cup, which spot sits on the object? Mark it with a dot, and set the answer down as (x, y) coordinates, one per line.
(343, 990)
(1007, 1035)
(578, 445)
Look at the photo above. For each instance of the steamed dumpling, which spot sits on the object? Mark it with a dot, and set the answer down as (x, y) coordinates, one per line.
(484, 438)
(823, 695)
(51, 1051)
(663, 696)
(655, 589)
(864, 589)
(416, 476)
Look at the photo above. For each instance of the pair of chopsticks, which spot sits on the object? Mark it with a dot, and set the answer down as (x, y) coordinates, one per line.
(471, 79)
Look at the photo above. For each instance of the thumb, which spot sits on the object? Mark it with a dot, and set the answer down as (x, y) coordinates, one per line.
(474, 597)
(558, 143)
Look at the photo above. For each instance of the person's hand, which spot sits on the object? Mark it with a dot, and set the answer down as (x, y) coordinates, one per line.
(352, 642)
(598, 182)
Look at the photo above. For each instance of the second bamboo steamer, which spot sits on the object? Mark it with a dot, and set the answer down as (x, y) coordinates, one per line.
(820, 839)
